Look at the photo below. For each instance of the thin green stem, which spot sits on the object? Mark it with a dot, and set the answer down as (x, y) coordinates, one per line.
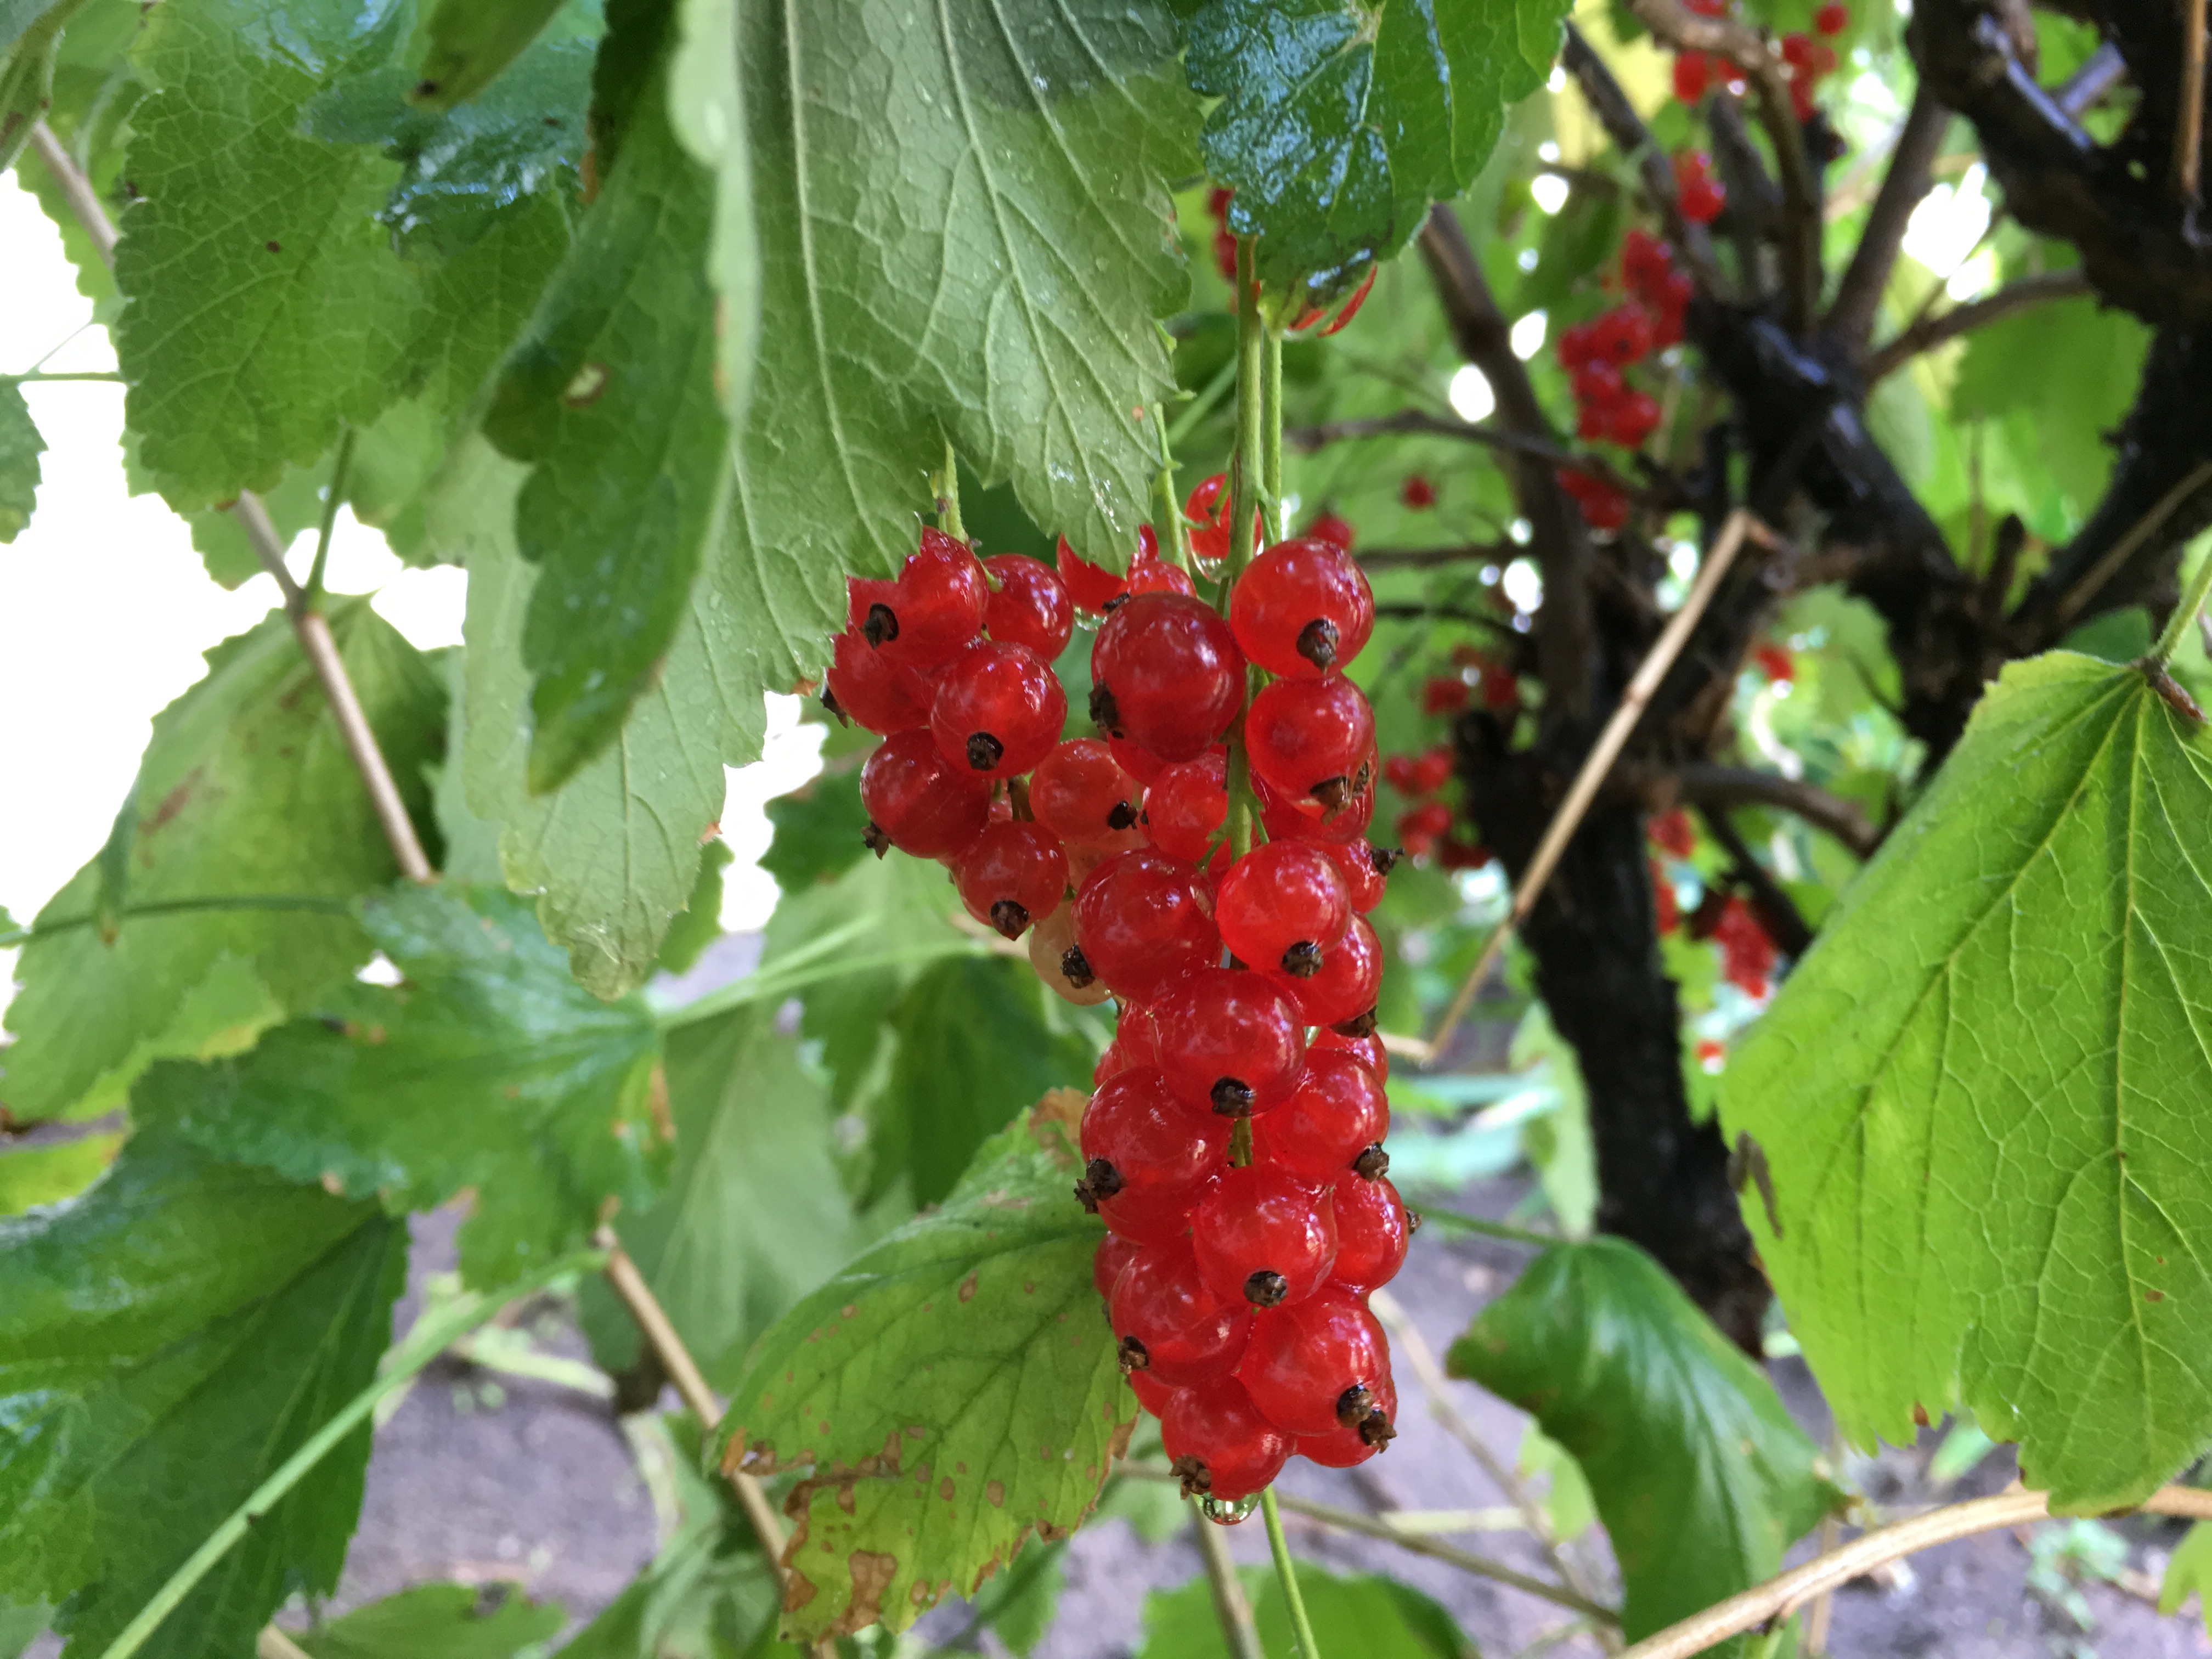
(39, 377)
(2178, 624)
(1285, 1570)
(1271, 437)
(946, 485)
(1202, 405)
(1174, 528)
(311, 596)
(1248, 467)
(433, 1334)
(1230, 1606)
(1504, 1229)
(329, 907)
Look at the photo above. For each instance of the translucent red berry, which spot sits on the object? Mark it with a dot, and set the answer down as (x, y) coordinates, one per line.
(1264, 1236)
(1166, 674)
(1142, 924)
(1333, 530)
(1114, 1253)
(918, 801)
(1345, 988)
(1309, 738)
(1154, 1397)
(1418, 492)
(1185, 808)
(1136, 1043)
(1371, 1232)
(1349, 1444)
(1091, 587)
(1336, 1110)
(1306, 1359)
(1366, 1047)
(1301, 608)
(1832, 18)
(883, 695)
(1059, 963)
(1701, 194)
(1290, 817)
(933, 609)
(1230, 1042)
(1282, 905)
(1138, 762)
(999, 709)
(1219, 1444)
(1166, 1322)
(1162, 1157)
(1082, 794)
(1154, 576)
(1365, 868)
(1011, 875)
(1693, 74)
(1031, 606)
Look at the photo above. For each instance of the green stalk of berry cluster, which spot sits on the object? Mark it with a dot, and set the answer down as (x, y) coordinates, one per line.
(946, 488)
(1247, 477)
(1174, 528)
(1285, 1570)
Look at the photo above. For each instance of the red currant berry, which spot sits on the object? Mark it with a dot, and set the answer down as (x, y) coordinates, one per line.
(1445, 694)
(1367, 1049)
(1229, 1042)
(1425, 823)
(1186, 807)
(1114, 1253)
(1156, 576)
(1138, 762)
(918, 802)
(1343, 992)
(1371, 1233)
(1136, 1043)
(1011, 875)
(1832, 18)
(1693, 74)
(1281, 905)
(1153, 1396)
(865, 685)
(1701, 194)
(999, 710)
(1166, 673)
(1302, 817)
(1432, 770)
(1167, 1323)
(1306, 1359)
(933, 609)
(1264, 1236)
(1333, 530)
(1059, 963)
(1082, 794)
(1160, 1156)
(1309, 738)
(1218, 1443)
(1366, 869)
(1418, 492)
(1091, 587)
(1348, 1445)
(1301, 608)
(1142, 923)
(1336, 1112)
(1031, 606)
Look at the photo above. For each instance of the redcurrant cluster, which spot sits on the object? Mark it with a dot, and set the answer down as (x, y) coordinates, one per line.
(1699, 195)
(1806, 59)
(1233, 1145)
(1598, 355)
(1747, 946)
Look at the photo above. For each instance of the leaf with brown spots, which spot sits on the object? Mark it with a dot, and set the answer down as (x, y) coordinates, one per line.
(967, 1387)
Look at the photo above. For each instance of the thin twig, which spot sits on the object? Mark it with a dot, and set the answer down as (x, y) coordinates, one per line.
(1230, 1606)
(2100, 72)
(339, 469)
(1437, 1387)
(2123, 550)
(1928, 332)
(1736, 786)
(2189, 131)
(1504, 1231)
(273, 1644)
(77, 189)
(1909, 177)
(1595, 765)
(1775, 1600)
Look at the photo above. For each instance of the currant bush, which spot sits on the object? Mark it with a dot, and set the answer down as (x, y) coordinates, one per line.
(1232, 1145)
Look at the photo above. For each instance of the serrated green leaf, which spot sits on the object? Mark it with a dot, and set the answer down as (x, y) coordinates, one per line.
(1976, 1097)
(1361, 1613)
(246, 789)
(973, 1048)
(609, 396)
(2072, 369)
(167, 1340)
(471, 41)
(699, 924)
(437, 1621)
(30, 40)
(1019, 1604)
(817, 832)
(705, 106)
(1700, 1476)
(1341, 121)
(250, 332)
(2189, 1568)
(754, 1216)
(20, 446)
(951, 1392)
(488, 1067)
(32, 1176)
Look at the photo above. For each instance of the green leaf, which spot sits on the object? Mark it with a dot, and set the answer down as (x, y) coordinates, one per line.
(30, 37)
(2072, 369)
(1340, 121)
(817, 832)
(167, 1340)
(610, 396)
(1019, 1604)
(32, 1176)
(699, 924)
(437, 1621)
(1975, 1097)
(246, 789)
(706, 98)
(262, 307)
(471, 41)
(1360, 1613)
(2189, 1568)
(488, 1067)
(951, 1391)
(20, 446)
(1700, 1476)
(974, 1048)
(754, 1216)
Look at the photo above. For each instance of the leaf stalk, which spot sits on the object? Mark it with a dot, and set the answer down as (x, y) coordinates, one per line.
(1286, 1570)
